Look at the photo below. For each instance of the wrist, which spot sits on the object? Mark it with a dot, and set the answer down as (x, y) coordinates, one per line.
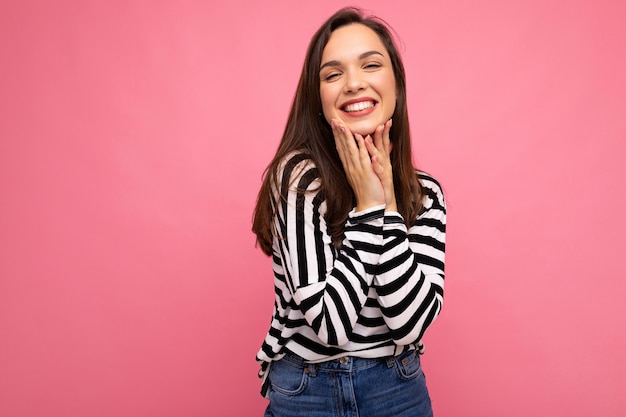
(391, 205)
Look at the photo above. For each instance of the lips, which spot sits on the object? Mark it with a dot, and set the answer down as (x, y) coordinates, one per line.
(361, 105)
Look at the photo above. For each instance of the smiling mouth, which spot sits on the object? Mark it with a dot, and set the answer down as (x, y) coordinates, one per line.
(355, 107)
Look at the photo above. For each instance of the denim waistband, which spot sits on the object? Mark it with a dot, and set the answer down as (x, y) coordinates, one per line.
(346, 363)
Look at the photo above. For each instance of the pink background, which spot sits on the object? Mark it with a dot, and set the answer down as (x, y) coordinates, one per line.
(133, 139)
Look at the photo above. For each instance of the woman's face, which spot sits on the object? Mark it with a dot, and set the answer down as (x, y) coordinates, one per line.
(357, 84)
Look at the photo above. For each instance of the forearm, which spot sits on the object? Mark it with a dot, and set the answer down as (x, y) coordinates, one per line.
(329, 286)
(410, 276)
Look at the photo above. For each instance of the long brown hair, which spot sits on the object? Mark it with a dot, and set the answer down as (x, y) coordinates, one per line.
(309, 133)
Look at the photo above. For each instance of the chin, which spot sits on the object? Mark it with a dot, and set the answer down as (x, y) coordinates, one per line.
(363, 129)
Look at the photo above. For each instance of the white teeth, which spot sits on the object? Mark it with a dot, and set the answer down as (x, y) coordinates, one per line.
(358, 106)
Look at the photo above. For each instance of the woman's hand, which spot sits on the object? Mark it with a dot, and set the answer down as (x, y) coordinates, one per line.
(379, 149)
(356, 159)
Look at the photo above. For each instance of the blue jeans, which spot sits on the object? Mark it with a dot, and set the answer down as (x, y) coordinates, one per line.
(349, 387)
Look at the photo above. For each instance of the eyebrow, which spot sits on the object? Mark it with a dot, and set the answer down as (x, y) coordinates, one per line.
(361, 57)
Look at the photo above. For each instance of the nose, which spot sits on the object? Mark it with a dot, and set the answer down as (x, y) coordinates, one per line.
(354, 82)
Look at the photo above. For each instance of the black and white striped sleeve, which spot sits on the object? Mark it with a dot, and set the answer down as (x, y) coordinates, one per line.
(329, 286)
(410, 277)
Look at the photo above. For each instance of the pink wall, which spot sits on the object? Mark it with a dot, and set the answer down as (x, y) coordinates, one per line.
(133, 135)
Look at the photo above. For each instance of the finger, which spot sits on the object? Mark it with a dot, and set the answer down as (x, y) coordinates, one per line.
(347, 146)
(340, 142)
(378, 145)
(378, 138)
(386, 138)
(371, 146)
(381, 134)
(362, 143)
(377, 160)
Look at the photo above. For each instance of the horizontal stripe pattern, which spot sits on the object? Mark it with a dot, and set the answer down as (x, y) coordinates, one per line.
(373, 297)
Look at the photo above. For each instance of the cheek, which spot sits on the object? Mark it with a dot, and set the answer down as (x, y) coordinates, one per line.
(385, 85)
(392, 88)
(389, 99)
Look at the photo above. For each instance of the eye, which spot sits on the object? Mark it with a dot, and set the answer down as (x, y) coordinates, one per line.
(332, 76)
(372, 65)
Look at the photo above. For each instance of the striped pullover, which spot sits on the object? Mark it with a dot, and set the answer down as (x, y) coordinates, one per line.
(372, 298)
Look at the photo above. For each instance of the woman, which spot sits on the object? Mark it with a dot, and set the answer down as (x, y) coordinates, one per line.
(356, 235)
